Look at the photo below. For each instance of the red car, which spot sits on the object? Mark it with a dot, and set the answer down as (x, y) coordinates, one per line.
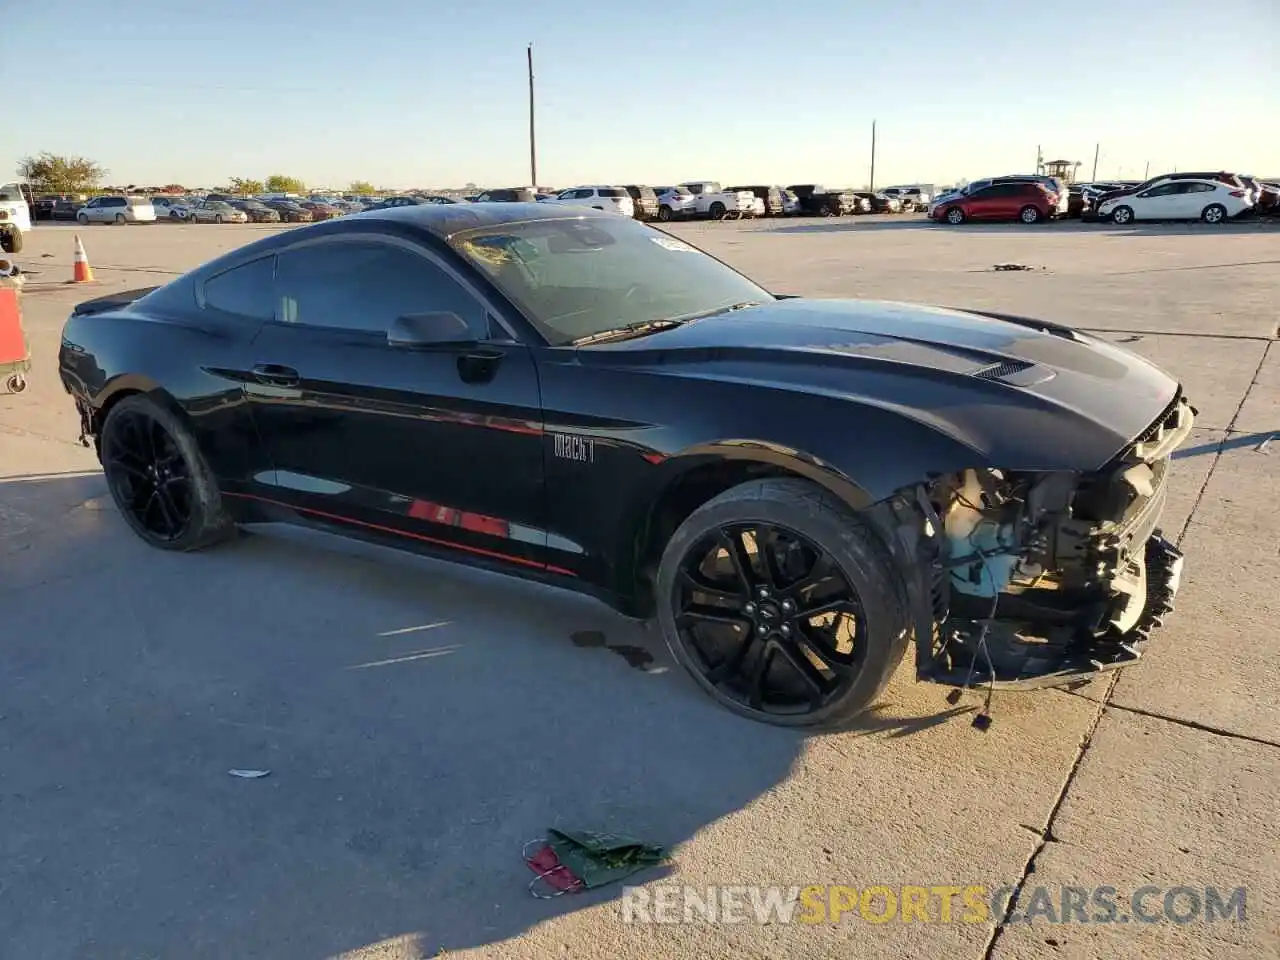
(1027, 202)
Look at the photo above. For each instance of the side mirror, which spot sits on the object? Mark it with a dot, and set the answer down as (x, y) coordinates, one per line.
(436, 329)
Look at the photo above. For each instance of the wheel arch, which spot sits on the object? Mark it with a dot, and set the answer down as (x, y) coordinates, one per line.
(695, 476)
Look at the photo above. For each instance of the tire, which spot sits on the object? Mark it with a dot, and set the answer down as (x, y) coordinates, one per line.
(664, 214)
(11, 240)
(1122, 215)
(16, 383)
(717, 211)
(82, 219)
(1214, 213)
(173, 215)
(175, 455)
(954, 216)
(217, 218)
(119, 220)
(801, 513)
(1029, 214)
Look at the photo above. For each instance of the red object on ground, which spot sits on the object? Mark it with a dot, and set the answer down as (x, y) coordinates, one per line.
(555, 874)
(13, 343)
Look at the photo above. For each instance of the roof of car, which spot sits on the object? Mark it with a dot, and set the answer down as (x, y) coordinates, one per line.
(446, 219)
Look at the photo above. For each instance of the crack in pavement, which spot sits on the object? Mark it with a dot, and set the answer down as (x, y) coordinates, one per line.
(1104, 703)
(1179, 721)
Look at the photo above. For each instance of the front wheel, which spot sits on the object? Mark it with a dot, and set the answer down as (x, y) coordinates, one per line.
(1214, 213)
(717, 211)
(955, 216)
(1029, 214)
(218, 219)
(664, 213)
(82, 219)
(158, 478)
(782, 604)
(16, 383)
(120, 221)
(1122, 215)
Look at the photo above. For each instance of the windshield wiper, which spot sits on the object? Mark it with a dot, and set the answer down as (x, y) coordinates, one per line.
(718, 311)
(638, 329)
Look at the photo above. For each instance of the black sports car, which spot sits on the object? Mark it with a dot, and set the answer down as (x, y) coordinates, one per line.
(793, 488)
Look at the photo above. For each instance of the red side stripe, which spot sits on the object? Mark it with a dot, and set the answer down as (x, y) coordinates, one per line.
(467, 548)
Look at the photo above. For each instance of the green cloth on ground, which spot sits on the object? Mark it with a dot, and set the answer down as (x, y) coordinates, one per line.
(600, 858)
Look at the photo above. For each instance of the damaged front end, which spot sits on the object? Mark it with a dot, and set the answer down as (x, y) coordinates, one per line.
(1031, 579)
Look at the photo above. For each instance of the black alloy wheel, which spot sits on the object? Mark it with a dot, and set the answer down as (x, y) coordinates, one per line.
(772, 619)
(158, 479)
(782, 605)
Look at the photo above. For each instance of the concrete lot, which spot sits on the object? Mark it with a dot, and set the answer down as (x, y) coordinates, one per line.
(401, 790)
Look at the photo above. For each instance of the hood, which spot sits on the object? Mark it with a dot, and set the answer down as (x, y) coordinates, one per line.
(1043, 394)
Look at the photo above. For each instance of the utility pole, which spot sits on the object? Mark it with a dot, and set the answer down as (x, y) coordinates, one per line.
(872, 188)
(1146, 170)
(533, 142)
(1096, 148)
(1039, 159)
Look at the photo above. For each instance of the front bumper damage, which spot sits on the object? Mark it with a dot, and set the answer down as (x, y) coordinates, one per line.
(1028, 580)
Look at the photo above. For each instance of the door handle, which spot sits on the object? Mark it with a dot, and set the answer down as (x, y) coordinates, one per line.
(479, 366)
(275, 374)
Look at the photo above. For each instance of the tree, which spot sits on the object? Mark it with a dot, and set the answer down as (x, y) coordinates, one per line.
(51, 173)
(173, 188)
(279, 183)
(362, 187)
(239, 185)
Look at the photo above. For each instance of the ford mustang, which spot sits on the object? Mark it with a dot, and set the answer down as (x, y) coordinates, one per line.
(795, 490)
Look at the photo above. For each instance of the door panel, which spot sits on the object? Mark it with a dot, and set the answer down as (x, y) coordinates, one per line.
(440, 443)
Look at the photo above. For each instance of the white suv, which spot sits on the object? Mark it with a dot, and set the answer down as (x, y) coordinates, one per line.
(15, 217)
(117, 210)
(612, 199)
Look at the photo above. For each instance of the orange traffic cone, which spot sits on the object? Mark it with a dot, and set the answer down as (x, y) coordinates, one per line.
(83, 272)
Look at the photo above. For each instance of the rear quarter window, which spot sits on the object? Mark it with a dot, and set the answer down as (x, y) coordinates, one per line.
(245, 291)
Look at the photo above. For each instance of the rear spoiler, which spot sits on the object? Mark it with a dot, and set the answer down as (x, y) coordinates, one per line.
(112, 301)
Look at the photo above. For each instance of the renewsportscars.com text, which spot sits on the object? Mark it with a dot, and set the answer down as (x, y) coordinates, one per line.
(937, 903)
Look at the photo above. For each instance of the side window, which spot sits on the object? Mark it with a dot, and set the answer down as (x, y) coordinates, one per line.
(1164, 190)
(247, 290)
(1200, 188)
(365, 285)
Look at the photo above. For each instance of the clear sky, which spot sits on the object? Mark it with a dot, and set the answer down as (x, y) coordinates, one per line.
(410, 93)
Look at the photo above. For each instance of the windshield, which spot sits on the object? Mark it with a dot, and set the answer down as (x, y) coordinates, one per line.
(576, 277)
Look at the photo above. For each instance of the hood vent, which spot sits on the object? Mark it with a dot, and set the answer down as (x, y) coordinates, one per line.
(1005, 368)
(1016, 373)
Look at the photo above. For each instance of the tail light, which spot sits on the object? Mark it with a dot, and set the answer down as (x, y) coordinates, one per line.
(1238, 193)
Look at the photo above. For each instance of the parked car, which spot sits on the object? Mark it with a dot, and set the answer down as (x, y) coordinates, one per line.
(645, 200)
(391, 202)
(609, 199)
(320, 211)
(675, 203)
(711, 200)
(879, 202)
(817, 201)
(1028, 202)
(15, 216)
(171, 208)
(1222, 176)
(912, 197)
(1264, 196)
(770, 197)
(1209, 200)
(664, 425)
(256, 211)
(508, 195)
(66, 209)
(290, 211)
(117, 209)
(217, 211)
(220, 197)
(790, 202)
(1056, 189)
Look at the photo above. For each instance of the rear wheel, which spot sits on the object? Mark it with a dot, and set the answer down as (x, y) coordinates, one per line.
(664, 213)
(120, 221)
(16, 383)
(217, 218)
(158, 478)
(955, 216)
(782, 604)
(1029, 214)
(1214, 213)
(717, 211)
